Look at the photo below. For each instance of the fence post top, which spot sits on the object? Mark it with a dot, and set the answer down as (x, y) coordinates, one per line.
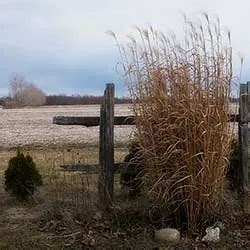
(110, 85)
(243, 88)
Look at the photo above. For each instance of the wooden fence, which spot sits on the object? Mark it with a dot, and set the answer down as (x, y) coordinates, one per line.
(107, 167)
(244, 131)
(106, 148)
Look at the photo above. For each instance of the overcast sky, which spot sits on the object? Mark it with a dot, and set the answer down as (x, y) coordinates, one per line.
(61, 45)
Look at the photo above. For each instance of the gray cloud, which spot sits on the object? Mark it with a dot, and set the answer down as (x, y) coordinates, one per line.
(62, 44)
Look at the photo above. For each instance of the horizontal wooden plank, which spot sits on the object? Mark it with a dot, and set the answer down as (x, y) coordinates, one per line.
(90, 121)
(89, 168)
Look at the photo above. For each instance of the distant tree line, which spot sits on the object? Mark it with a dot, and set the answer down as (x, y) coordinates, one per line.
(80, 100)
(24, 93)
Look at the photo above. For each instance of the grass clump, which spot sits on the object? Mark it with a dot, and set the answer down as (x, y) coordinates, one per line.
(180, 93)
(22, 177)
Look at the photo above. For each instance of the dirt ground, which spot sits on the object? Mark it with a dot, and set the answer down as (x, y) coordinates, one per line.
(45, 223)
(64, 215)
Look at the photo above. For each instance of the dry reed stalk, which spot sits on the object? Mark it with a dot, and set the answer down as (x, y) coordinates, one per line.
(181, 103)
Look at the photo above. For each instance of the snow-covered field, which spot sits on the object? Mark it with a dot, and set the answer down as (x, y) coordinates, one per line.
(33, 126)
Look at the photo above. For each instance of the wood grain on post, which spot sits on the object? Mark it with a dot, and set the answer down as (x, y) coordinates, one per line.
(248, 101)
(244, 153)
(243, 131)
(106, 148)
(243, 103)
(244, 143)
(247, 167)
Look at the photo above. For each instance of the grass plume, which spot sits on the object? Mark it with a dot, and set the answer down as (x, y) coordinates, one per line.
(180, 94)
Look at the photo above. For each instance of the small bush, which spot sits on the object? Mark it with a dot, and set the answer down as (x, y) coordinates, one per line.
(22, 177)
(131, 176)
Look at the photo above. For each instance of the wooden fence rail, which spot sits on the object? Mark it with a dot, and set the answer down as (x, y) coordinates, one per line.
(90, 168)
(90, 121)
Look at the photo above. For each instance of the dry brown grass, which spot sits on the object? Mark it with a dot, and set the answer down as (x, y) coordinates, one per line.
(73, 190)
(181, 104)
(60, 208)
(63, 215)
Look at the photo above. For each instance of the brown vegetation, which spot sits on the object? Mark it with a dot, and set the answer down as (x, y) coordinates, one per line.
(181, 104)
(63, 213)
(24, 93)
(181, 94)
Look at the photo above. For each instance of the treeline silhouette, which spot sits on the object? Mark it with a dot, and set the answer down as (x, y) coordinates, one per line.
(81, 100)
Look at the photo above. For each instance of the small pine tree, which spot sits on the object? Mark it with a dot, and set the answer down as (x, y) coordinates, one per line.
(22, 177)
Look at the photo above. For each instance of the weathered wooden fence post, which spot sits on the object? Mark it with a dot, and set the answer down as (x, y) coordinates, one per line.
(106, 148)
(244, 144)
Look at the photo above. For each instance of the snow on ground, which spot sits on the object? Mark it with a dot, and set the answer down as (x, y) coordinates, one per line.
(33, 126)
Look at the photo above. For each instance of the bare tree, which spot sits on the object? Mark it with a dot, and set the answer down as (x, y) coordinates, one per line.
(25, 93)
(17, 86)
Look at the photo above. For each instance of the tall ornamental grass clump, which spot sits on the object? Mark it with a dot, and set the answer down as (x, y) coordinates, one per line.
(180, 94)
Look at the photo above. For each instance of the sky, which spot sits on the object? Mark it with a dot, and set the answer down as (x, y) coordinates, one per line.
(62, 45)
